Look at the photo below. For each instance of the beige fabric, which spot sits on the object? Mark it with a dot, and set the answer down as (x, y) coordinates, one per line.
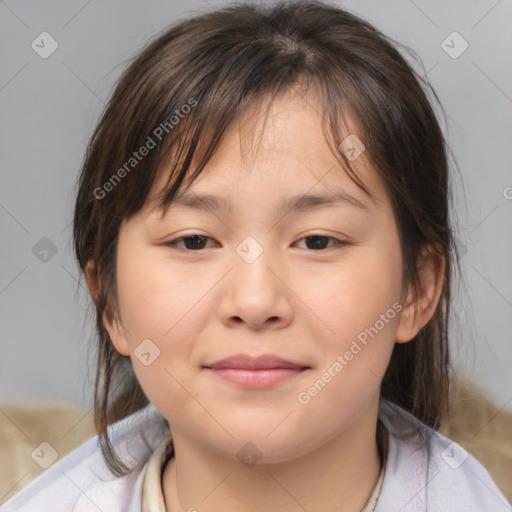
(25, 426)
(483, 428)
(152, 495)
(372, 501)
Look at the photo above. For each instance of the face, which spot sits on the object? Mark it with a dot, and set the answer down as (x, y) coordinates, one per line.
(319, 286)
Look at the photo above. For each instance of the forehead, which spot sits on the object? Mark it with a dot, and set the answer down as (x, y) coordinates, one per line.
(279, 153)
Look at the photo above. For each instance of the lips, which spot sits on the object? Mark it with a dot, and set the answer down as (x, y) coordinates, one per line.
(256, 379)
(247, 362)
(256, 373)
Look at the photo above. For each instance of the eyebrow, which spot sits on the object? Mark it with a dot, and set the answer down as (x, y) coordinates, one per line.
(297, 204)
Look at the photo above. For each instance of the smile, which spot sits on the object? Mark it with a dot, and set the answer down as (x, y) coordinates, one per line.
(256, 378)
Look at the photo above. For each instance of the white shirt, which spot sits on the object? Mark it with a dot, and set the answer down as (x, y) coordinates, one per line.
(425, 472)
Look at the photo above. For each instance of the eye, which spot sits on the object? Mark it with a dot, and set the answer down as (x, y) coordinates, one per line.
(196, 242)
(192, 242)
(318, 242)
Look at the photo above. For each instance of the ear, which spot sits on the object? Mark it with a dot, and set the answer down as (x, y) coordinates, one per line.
(417, 311)
(111, 323)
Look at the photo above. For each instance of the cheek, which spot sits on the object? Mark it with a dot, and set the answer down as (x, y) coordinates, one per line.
(359, 306)
(361, 310)
(156, 297)
(356, 292)
(157, 305)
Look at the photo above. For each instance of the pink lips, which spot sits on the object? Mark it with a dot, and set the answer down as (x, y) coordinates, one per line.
(256, 372)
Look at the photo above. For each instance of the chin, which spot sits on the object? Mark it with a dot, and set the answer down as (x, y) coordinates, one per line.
(256, 446)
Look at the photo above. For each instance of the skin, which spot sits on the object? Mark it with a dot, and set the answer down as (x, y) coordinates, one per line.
(295, 300)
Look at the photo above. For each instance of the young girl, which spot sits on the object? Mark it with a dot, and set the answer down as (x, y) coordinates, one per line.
(262, 221)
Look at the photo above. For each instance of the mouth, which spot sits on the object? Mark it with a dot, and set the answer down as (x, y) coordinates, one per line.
(257, 379)
(256, 372)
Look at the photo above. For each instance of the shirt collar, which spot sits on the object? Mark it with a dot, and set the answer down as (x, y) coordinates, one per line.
(152, 494)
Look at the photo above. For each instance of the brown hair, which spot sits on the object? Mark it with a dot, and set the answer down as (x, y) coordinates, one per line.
(217, 64)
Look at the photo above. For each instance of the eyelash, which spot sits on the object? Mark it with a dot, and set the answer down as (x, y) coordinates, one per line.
(174, 243)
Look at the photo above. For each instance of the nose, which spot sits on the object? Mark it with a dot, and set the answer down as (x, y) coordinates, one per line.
(255, 294)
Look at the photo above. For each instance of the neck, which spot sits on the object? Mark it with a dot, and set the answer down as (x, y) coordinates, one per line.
(340, 475)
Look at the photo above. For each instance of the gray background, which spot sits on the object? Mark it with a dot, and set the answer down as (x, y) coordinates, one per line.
(49, 110)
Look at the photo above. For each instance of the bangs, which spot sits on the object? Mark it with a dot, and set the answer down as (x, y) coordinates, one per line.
(191, 85)
(184, 157)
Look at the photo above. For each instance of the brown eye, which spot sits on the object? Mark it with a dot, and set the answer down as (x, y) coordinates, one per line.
(197, 242)
(191, 242)
(320, 242)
